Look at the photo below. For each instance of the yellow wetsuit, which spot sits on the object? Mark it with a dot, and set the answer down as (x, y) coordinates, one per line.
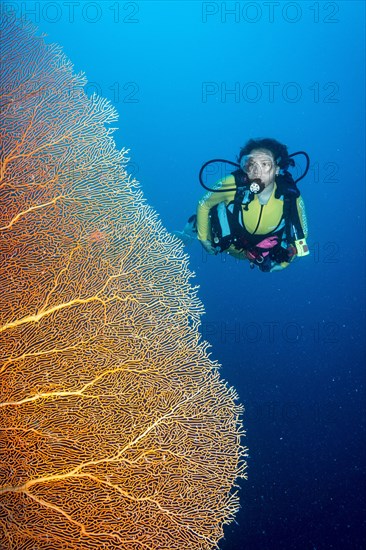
(259, 219)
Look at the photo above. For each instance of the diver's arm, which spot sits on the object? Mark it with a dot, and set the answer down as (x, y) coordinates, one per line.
(209, 200)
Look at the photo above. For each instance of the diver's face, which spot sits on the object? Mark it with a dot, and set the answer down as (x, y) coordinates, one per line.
(260, 163)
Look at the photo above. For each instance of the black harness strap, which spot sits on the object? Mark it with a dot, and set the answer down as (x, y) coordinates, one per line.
(287, 188)
(241, 183)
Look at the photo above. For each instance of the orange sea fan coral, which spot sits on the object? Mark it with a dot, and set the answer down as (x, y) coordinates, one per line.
(115, 428)
(97, 236)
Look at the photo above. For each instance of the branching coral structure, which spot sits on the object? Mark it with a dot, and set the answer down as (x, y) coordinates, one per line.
(116, 430)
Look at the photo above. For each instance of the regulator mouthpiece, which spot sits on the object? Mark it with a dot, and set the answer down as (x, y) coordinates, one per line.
(256, 186)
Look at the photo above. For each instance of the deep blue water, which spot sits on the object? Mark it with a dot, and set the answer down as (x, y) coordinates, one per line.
(193, 81)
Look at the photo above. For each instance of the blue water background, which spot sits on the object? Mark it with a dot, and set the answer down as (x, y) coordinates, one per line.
(292, 343)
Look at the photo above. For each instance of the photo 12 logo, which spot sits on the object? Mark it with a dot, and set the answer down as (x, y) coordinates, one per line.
(71, 11)
(126, 92)
(269, 92)
(269, 12)
(273, 332)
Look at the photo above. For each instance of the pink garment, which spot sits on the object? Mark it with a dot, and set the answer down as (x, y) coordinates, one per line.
(267, 244)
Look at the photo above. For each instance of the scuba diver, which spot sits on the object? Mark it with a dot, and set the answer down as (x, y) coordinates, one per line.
(256, 213)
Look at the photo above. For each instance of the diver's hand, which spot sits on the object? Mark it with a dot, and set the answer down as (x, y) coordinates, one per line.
(207, 245)
(278, 267)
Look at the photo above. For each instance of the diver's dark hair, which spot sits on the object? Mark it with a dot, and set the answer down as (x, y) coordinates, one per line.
(278, 150)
